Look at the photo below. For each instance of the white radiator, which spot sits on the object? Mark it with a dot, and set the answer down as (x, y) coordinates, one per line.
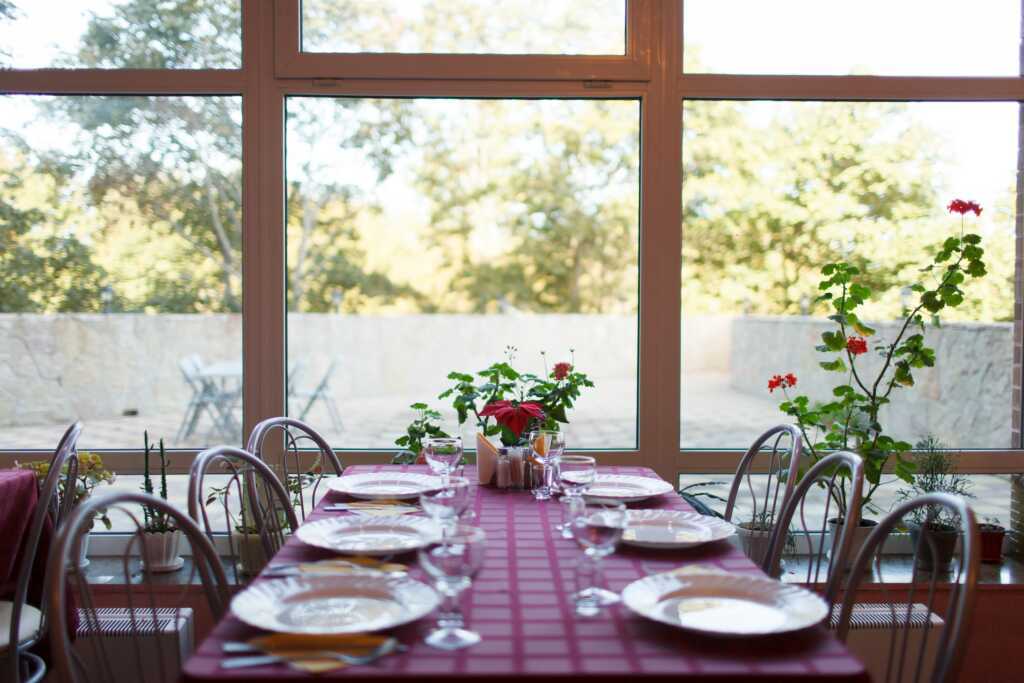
(165, 634)
(873, 628)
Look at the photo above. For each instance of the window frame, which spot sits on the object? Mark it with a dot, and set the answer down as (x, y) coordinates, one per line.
(273, 69)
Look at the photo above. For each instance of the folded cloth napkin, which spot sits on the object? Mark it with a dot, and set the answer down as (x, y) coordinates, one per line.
(385, 507)
(301, 651)
(349, 564)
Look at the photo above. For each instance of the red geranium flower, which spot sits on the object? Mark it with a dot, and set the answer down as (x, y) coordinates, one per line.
(961, 207)
(562, 370)
(782, 381)
(512, 415)
(856, 345)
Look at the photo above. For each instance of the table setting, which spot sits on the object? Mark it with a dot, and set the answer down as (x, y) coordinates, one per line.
(595, 570)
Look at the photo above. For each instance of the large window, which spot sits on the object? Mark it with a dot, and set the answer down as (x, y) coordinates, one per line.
(772, 191)
(426, 236)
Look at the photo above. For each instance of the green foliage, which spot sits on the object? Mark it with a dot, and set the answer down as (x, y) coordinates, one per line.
(850, 421)
(155, 521)
(935, 472)
(423, 427)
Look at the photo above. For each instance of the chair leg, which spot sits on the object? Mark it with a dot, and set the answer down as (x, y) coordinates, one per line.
(333, 412)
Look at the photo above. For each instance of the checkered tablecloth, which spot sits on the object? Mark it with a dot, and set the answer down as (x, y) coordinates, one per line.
(520, 604)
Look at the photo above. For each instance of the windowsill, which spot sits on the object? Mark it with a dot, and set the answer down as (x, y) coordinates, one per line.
(897, 569)
(109, 571)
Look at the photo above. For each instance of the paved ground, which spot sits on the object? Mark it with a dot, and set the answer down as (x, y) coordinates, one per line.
(714, 416)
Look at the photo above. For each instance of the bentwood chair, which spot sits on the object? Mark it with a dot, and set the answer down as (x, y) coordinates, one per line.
(26, 622)
(921, 644)
(784, 446)
(150, 606)
(289, 465)
(251, 506)
(840, 478)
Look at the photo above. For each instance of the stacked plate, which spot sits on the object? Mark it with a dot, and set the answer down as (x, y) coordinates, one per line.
(381, 485)
(625, 488)
(674, 529)
(364, 535)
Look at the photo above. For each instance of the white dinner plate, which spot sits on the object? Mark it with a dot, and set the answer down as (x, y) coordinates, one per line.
(675, 529)
(381, 485)
(625, 488)
(725, 604)
(330, 605)
(368, 535)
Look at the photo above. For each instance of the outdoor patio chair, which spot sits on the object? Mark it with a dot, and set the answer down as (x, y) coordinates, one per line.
(322, 393)
(207, 397)
(784, 445)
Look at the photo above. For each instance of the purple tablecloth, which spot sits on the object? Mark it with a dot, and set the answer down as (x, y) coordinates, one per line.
(520, 603)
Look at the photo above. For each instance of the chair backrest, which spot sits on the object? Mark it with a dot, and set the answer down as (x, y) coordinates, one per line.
(54, 504)
(191, 366)
(904, 660)
(142, 618)
(298, 478)
(840, 476)
(784, 446)
(252, 507)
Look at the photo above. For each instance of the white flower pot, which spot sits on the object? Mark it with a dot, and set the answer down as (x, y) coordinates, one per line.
(251, 556)
(81, 560)
(162, 551)
(860, 534)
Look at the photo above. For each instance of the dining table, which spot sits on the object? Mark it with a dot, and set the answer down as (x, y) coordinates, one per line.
(521, 604)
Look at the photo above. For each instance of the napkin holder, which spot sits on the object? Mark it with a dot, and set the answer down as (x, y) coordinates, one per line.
(486, 461)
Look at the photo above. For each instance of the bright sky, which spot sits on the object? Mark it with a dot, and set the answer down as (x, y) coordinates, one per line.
(919, 37)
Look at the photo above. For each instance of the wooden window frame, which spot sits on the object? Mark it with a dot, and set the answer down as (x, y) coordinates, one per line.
(651, 71)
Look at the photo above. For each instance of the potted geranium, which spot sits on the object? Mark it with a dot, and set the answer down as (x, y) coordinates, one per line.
(424, 426)
(161, 537)
(91, 473)
(850, 419)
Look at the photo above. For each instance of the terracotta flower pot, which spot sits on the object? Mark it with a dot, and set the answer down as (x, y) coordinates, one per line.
(992, 543)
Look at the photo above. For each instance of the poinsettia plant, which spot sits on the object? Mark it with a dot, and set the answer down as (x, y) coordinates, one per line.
(516, 402)
(850, 419)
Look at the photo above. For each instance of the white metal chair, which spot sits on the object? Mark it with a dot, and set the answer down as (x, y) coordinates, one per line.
(841, 477)
(26, 622)
(133, 654)
(784, 447)
(321, 392)
(297, 476)
(921, 645)
(255, 507)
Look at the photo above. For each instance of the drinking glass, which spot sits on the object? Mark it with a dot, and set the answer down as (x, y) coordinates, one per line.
(597, 529)
(445, 506)
(575, 474)
(452, 561)
(443, 455)
(547, 447)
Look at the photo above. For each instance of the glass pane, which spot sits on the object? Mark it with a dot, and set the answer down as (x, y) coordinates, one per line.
(772, 191)
(121, 34)
(561, 27)
(869, 37)
(426, 236)
(120, 247)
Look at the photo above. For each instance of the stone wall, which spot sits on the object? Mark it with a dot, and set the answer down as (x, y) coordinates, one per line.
(90, 366)
(965, 400)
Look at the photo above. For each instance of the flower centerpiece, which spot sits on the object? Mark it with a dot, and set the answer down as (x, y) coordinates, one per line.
(851, 418)
(90, 474)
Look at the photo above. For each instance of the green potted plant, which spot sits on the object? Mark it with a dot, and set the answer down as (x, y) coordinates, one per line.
(850, 419)
(91, 473)
(426, 425)
(935, 473)
(992, 534)
(161, 537)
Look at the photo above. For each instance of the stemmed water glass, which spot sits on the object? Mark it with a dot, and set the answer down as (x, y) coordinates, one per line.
(452, 561)
(575, 474)
(446, 505)
(547, 447)
(443, 455)
(597, 529)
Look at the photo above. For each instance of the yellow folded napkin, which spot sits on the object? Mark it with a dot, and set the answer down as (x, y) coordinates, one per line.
(300, 651)
(691, 569)
(384, 507)
(350, 565)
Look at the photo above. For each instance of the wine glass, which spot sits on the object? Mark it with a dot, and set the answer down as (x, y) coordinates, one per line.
(597, 529)
(575, 474)
(547, 447)
(452, 561)
(443, 455)
(445, 506)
